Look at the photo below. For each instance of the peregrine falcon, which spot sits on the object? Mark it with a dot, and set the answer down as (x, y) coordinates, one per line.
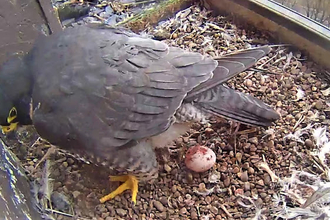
(112, 96)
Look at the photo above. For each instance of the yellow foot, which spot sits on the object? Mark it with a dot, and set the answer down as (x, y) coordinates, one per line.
(130, 182)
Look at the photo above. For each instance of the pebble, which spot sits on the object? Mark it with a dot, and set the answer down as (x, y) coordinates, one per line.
(214, 210)
(183, 211)
(236, 170)
(164, 201)
(263, 195)
(209, 132)
(248, 82)
(60, 201)
(226, 182)
(121, 212)
(309, 143)
(193, 215)
(246, 165)
(253, 148)
(75, 194)
(267, 179)
(167, 168)
(105, 214)
(244, 176)
(247, 186)
(250, 170)
(239, 157)
(261, 182)
(159, 206)
(318, 105)
(208, 199)
(162, 215)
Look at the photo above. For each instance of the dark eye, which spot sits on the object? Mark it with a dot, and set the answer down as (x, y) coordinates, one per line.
(13, 112)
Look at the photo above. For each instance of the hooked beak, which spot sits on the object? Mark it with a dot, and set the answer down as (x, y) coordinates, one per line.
(8, 128)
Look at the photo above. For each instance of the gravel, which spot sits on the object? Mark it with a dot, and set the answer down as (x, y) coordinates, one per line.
(254, 166)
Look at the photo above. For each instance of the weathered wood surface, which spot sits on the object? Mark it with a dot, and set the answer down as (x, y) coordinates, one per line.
(21, 21)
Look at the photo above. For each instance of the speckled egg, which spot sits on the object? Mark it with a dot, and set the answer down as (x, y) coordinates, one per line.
(200, 158)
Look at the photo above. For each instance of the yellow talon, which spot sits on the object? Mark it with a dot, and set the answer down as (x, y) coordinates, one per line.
(130, 182)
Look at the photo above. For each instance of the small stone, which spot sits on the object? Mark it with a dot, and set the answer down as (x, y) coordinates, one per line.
(189, 177)
(60, 201)
(223, 169)
(70, 161)
(253, 148)
(248, 82)
(183, 211)
(263, 195)
(274, 85)
(239, 192)
(162, 215)
(167, 168)
(214, 210)
(267, 179)
(246, 165)
(209, 132)
(159, 206)
(121, 212)
(262, 80)
(271, 144)
(309, 143)
(192, 44)
(239, 157)
(65, 164)
(226, 182)
(75, 194)
(105, 214)
(164, 201)
(247, 186)
(208, 199)
(318, 105)
(236, 170)
(288, 84)
(193, 215)
(261, 182)
(244, 176)
(250, 170)
(263, 89)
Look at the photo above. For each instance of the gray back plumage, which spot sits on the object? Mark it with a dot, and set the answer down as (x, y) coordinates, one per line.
(100, 89)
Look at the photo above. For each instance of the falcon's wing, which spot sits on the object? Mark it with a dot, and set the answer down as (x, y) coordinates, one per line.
(112, 86)
(215, 98)
(229, 66)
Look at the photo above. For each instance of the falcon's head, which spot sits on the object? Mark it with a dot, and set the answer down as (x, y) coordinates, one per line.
(8, 116)
(15, 98)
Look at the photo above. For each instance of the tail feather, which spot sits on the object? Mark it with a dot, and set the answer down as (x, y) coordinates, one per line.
(225, 102)
(229, 66)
